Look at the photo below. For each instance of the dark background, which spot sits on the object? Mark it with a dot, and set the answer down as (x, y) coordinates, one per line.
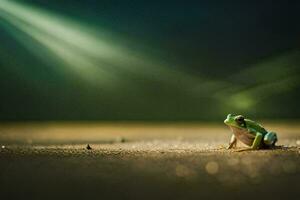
(188, 61)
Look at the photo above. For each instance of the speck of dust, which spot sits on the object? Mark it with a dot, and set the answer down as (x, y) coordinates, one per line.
(3, 147)
(212, 167)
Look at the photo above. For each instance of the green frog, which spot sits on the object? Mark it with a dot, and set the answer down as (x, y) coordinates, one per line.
(249, 132)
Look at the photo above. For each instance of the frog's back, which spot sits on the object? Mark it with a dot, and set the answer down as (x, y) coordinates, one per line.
(256, 126)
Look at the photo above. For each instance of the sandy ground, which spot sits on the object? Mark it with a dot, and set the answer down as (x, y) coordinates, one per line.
(143, 161)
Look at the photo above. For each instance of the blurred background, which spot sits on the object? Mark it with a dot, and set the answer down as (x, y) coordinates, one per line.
(126, 99)
(146, 60)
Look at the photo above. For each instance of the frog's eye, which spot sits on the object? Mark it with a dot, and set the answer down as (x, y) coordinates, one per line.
(240, 119)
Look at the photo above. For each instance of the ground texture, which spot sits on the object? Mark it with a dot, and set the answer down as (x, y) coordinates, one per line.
(135, 161)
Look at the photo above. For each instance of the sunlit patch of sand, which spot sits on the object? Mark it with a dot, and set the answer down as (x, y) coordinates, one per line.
(68, 133)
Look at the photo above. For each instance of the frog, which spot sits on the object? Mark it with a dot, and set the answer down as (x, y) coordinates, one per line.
(250, 133)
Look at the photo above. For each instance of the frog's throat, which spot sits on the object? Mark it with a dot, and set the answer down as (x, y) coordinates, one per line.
(243, 135)
(236, 126)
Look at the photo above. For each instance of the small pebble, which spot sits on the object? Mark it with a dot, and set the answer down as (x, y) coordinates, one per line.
(120, 140)
(123, 140)
(88, 147)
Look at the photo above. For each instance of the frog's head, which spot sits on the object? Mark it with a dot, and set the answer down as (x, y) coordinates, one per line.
(237, 121)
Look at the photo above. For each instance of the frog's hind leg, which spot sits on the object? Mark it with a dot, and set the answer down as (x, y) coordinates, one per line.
(270, 139)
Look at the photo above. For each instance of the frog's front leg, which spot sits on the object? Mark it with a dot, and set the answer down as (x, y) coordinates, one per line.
(232, 142)
(256, 143)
